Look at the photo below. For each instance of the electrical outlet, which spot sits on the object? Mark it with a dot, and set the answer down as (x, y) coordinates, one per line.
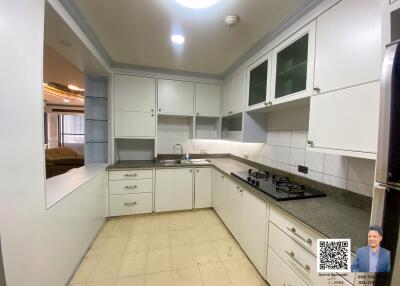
(302, 169)
(246, 155)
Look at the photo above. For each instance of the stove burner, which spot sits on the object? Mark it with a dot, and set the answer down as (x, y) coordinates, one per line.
(290, 188)
(258, 174)
(279, 179)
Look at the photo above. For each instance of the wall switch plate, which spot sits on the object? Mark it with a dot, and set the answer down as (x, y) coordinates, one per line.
(302, 169)
(246, 155)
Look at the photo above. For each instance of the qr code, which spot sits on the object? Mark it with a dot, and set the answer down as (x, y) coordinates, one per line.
(333, 255)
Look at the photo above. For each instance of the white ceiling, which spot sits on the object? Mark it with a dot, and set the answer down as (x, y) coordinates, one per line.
(137, 32)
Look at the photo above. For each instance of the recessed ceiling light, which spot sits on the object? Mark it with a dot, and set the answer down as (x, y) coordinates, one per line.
(197, 4)
(177, 39)
(66, 100)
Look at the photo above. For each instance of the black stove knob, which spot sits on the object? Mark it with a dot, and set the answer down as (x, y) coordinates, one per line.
(248, 178)
(250, 171)
(253, 181)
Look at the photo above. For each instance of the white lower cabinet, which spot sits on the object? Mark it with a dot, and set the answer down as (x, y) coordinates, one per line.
(218, 192)
(202, 188)
(279, 274)
(130, 192)
(233, 206)
(174, 189)
(131, 204)
(164, 194)
(254, 230)
(183, 189)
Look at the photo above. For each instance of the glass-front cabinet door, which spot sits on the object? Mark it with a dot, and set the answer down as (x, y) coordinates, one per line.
(259, 78)
(293, 64)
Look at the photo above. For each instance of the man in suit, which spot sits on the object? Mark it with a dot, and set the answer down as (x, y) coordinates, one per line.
(372, 258)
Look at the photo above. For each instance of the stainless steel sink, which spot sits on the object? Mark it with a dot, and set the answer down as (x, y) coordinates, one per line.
(181, 162)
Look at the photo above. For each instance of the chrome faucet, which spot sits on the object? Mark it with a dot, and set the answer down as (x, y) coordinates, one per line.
(178, 146)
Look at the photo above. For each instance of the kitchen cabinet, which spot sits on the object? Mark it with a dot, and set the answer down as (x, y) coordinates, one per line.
(233, 94)
(164, 193)
(134, 106)
(218, 193)
(254, 229)
(130, 192)
(202, 188)
(174, 189)
(259, 82)
(231, 127)
(208, 100)
(233, 206)
(134, 93)
(134, 124)
(293, 66)
(175, 97)
(183, 188)
(278, 273)
(349, 54)
(345, 121)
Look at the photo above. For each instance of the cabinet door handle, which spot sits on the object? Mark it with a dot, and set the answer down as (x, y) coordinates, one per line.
(159, 109)
(130, 187)
(317, 89)
(197, 170)
(266, 103)
(130, 175)
(197, 113)
(152, 110)
(152, 115)
(291, 255)
(310, 142)
(191, 170)
(237, 187)
(293, 230)
(130, 204)
(241, 190)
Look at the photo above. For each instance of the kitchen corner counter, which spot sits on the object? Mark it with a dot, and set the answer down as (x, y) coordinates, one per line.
(327, 215)
(331, 217)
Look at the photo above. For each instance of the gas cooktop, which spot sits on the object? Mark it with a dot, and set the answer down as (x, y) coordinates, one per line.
(278, 187)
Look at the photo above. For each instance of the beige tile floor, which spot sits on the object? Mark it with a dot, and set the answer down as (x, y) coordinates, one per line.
(191, 248)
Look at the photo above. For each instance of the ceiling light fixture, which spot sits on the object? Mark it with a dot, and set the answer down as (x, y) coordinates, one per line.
(178, 39)
(197, 4)
(231, 20)
(73, 87)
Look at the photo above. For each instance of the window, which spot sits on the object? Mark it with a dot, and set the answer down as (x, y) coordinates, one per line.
(71, 129)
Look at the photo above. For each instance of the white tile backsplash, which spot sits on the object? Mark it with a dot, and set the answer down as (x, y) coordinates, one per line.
(284, 155)
(336, 165)
(361, 170)
(315, 161)
(360, 188)
(285, 138)
(334, 181)
(297, 156)
(285, 150)
(299, 139)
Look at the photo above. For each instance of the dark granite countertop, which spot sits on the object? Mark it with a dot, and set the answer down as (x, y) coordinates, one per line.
(331, 216)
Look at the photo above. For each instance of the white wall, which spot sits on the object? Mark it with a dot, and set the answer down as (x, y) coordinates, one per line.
(39, 246)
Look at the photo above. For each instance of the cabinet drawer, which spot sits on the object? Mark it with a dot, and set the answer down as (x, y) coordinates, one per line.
(296, 230)
(130, 175)
(130, 186)
(130, 204)
(278, 273)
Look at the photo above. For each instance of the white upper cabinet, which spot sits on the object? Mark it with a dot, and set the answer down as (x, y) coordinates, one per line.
(134, 93)
(293, 66)
(175, 97)
(348, 45)
(233, 94)
(208, 100)
(346, 121)
(258, 82)
(134, 106)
